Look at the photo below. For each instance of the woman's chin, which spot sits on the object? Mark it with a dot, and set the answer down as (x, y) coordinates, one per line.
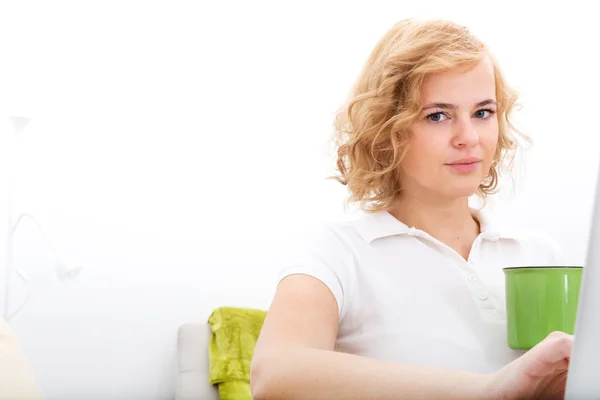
(460, 192)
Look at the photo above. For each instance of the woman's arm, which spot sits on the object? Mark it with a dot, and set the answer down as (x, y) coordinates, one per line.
(294, 357)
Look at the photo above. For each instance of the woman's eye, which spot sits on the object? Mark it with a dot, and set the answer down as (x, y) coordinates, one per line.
(483, 113)
(436, 117)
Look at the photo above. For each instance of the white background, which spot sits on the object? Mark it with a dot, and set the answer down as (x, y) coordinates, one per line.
(176, 149)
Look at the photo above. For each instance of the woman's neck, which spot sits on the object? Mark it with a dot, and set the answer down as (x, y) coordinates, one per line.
(450, 221)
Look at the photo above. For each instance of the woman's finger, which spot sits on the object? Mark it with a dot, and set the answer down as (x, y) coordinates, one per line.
(550, 355)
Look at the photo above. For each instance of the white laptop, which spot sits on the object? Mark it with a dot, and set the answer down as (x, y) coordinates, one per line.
(583, 379)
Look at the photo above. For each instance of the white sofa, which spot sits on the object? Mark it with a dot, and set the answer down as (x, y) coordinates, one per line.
(18, 383)
(192, 354)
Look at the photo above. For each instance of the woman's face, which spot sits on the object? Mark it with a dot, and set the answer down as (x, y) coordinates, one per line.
(453, 143)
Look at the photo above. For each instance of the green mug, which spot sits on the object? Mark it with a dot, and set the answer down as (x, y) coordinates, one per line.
(540, 300)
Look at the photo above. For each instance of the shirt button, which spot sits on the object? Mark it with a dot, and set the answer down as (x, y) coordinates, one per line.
(472, 278)
(482, 296)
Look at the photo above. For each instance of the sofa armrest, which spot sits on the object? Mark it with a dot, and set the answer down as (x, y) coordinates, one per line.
(193, 366)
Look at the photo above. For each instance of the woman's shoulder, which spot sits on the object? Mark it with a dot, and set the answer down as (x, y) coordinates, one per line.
(327, 240)
(537, 239)
(344, 230)
(531, 239)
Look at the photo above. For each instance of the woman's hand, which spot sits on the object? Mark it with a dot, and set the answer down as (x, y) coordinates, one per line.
(541, 373)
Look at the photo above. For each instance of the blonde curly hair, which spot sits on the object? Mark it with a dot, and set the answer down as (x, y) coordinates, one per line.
(371, 129)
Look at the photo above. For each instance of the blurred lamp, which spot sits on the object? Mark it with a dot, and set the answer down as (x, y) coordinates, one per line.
(64, 271)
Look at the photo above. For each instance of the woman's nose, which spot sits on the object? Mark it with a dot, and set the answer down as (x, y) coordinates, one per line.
(465, 134)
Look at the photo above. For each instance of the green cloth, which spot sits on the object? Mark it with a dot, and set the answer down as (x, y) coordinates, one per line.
(234, 335)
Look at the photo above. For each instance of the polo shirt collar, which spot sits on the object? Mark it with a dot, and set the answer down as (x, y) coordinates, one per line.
(380, 224)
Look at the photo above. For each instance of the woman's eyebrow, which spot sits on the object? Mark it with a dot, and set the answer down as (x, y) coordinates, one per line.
(454, 106)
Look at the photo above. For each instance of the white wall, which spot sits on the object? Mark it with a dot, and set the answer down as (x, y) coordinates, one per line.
(176, 148)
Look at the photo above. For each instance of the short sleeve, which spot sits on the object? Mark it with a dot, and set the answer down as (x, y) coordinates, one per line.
(326, 256)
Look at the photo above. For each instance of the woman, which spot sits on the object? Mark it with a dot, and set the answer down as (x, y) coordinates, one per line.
(407, 301)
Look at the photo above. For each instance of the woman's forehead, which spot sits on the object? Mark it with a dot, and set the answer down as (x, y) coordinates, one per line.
(460, 87)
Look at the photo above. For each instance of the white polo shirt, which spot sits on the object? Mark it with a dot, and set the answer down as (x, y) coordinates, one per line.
(404, 296)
